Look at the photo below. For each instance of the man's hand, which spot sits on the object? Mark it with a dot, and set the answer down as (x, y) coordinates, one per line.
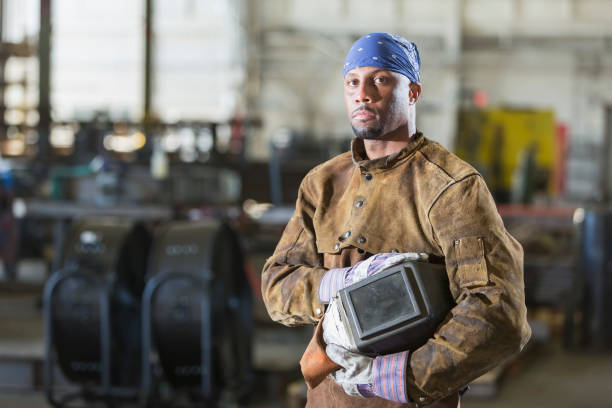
(336, 279)
(363, 376)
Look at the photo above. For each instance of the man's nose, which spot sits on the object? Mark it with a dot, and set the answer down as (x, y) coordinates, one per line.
(364, 93)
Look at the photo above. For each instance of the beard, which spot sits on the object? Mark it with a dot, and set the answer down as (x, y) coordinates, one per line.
(368, 133)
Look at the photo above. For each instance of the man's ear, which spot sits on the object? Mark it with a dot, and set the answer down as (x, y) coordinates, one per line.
(415, 92)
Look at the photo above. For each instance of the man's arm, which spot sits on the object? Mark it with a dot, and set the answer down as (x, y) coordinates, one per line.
(488, 324)
(292, 275)
(485, 268)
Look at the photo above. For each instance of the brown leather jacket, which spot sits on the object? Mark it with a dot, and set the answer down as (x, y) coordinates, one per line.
(420, 199)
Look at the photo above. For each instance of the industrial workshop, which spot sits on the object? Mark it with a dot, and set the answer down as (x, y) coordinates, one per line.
(290, 203)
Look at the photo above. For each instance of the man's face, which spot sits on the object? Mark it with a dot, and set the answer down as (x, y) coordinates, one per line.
(377, 101)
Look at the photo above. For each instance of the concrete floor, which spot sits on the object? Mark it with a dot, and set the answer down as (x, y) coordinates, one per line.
(552, 377)
(555, 379)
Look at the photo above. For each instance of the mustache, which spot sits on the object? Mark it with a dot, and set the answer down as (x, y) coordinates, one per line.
(363, 108)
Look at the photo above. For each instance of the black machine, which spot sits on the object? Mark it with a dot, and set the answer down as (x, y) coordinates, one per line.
(197, 314)
(92, 310)
(596, 265)
(397, 309)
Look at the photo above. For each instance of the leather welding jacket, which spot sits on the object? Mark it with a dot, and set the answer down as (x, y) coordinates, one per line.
(420, 199)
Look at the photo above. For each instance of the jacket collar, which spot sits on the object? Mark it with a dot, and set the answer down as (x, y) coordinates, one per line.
(360, 158)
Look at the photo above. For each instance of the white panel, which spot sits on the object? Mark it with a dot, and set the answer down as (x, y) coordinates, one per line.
(274, 12)
(546, 10)
(198, 68)
(316, 11)
(383, 11)
(532, 79)
(97, 58)
(488, 15)
(347, 16)
(21, 20)
(594, 10)
(431, 10)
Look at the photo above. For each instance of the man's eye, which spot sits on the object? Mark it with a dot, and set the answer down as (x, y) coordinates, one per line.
(380, 80)
(352, 82)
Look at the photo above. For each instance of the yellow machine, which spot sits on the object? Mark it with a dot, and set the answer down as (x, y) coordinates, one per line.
(513, 149)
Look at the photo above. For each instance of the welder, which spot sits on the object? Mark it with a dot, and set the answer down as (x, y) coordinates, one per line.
(394, 194)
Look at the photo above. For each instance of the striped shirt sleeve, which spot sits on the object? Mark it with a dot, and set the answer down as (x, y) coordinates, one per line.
(388, 378)
(332, 282)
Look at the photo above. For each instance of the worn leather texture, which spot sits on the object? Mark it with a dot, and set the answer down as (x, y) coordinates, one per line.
(420, 199)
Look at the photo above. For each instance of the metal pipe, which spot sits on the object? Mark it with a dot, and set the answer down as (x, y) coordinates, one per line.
(148, 68)
(44, 78)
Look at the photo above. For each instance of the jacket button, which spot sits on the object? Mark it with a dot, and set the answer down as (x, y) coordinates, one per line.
(359, 203)
(346, 234)
(336, 246)
(368, 176)
(361, 240)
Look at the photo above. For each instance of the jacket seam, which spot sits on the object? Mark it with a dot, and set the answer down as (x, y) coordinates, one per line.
(437, 197)
(437, 165)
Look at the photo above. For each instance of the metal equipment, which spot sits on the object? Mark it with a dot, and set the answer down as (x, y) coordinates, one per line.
(597, 269)
(397, 309)
(197, 314)
(92, 311)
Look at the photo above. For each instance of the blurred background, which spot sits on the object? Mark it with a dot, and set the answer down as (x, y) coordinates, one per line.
(150, 156)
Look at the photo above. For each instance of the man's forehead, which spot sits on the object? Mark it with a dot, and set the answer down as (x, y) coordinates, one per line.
(360, 71)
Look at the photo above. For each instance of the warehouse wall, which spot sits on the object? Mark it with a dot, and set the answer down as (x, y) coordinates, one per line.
(543, 54)
(280, 61)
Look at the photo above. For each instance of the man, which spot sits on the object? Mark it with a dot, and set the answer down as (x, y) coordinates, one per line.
(397, 191)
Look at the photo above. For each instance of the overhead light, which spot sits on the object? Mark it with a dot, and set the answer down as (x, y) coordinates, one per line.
(14, 117)
(62, 136)
(32, 118)
(171, 142)
(13, 147)
(124, 143)
(205, 140)
(578, 216)
(31, 137)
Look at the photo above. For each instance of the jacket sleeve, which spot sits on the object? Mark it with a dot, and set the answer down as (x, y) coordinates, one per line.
(485, 269)
(291, 276)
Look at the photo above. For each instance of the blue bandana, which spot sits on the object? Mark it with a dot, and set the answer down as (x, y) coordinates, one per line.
(386, 51)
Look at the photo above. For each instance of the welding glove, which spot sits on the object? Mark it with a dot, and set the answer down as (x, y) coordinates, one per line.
(334, 330)
(382, 376)
(336, 279)
(356, 369)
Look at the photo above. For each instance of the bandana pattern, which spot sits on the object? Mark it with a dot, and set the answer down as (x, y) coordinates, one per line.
(386, 51)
